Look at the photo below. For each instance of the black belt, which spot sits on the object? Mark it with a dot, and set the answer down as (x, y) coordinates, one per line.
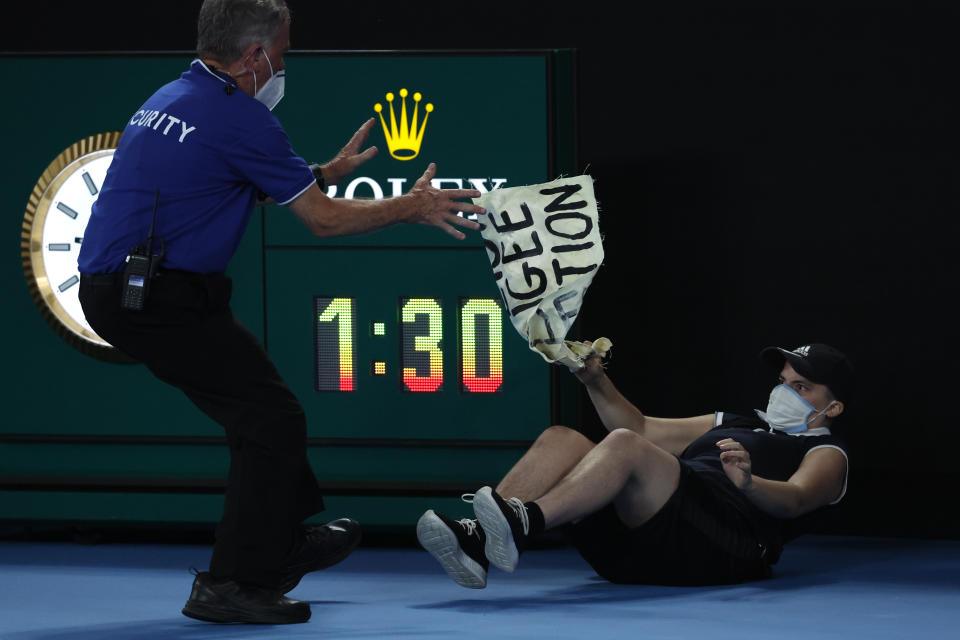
(101, 279)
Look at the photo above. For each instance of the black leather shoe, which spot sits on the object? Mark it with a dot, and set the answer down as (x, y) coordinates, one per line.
(319, 548)
(215, 600)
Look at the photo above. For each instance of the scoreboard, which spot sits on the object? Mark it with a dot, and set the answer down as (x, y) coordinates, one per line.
(415, 385)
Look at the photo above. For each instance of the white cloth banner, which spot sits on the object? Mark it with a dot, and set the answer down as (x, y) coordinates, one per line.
(544, 245)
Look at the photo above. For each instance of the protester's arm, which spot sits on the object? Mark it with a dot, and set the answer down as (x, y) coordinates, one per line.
(670, 434)
(423, 204)
(818, 480)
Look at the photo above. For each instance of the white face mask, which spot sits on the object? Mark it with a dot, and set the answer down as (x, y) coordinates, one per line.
(272, 90)
(787, 411)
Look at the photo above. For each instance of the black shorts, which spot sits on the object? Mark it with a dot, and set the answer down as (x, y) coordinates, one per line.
(706, 533)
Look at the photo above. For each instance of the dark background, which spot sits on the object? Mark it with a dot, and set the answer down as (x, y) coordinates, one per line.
(767, 175)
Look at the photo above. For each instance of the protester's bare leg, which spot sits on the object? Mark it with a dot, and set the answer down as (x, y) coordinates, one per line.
(546, 462)
(625, 468)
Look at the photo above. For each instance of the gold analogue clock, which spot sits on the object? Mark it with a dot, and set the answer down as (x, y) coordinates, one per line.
(53, 226)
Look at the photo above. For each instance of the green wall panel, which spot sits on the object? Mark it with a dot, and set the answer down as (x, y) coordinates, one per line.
(126, 508)
(72, 422)
(205, 464)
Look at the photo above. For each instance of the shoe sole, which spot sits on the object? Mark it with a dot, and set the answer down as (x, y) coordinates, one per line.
(440, 542)
(500, 549)
(208, 613)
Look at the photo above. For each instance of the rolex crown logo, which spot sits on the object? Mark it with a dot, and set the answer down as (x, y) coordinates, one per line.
(404, 142)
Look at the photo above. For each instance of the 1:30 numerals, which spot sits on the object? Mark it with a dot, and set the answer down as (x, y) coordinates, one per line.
(421, 346)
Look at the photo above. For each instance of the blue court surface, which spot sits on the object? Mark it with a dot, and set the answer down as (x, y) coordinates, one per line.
(824, 587)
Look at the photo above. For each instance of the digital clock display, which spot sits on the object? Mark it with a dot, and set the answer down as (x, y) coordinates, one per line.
(421, 364)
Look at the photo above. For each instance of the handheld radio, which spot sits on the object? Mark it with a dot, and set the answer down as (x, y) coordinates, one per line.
(141, 268)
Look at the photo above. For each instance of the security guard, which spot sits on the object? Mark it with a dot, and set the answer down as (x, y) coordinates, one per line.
(190, 166)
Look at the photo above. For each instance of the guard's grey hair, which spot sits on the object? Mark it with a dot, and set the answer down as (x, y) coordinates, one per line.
(226, 27)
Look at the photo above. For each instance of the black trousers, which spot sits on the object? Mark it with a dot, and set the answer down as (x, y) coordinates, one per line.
(188, 337)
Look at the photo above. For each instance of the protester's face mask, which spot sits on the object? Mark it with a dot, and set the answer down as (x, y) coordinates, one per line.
(272, 90)
(787, 411)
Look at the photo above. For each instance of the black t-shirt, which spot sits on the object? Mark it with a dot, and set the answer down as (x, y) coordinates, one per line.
(774, 456)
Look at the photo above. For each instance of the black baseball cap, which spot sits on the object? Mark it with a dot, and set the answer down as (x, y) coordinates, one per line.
(818, 363)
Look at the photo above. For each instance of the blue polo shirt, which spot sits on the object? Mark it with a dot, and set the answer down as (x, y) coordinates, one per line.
(208, 150)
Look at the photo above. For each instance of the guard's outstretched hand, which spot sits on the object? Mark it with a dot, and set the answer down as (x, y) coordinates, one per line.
(439, 207)
(350, 157)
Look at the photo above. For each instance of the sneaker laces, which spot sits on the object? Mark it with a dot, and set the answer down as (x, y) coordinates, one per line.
(521, 510)
(469, 525)
(515, 503)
